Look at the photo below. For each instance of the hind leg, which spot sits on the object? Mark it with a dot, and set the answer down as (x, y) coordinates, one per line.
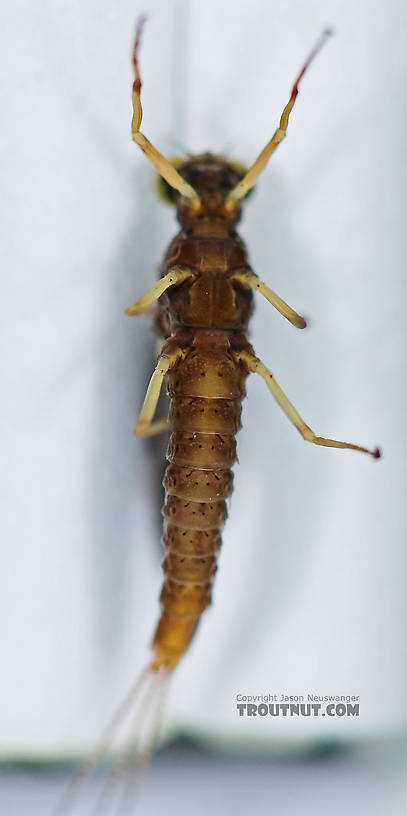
(257, 367)
(145, 425)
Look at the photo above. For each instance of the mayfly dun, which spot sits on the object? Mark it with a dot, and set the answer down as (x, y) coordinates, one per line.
(204, 299)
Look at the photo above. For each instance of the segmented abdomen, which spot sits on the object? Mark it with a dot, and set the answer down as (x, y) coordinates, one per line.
(206, 389)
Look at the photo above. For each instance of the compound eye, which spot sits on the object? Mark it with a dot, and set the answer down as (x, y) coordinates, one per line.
(164, 190)
(167, 193)
(241, 170)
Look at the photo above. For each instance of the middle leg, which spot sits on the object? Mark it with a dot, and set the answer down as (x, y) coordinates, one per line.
(176, 275)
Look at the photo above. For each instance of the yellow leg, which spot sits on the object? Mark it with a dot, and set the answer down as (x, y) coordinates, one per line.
(249, 180)
(257, 367)
(156, 428)
(176, 275)
(145, 425)
(253, 282)
(164, 167)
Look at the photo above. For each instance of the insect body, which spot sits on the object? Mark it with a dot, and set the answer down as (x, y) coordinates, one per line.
(205, 299)
(205, 319)
(204, 304)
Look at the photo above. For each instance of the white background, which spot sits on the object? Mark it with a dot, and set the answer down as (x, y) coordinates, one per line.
(310, 593)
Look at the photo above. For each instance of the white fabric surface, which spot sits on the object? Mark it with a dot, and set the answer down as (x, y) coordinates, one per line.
(310, 593)
(185, 781)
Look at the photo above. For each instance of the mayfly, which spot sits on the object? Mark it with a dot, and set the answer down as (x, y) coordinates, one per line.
(204, 300)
